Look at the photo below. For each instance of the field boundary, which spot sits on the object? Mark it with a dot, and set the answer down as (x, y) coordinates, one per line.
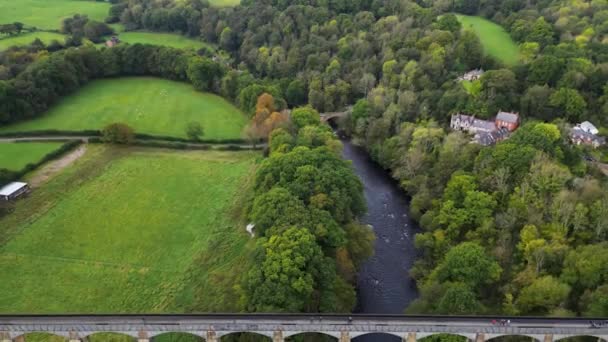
(12, 176)
(89, 134)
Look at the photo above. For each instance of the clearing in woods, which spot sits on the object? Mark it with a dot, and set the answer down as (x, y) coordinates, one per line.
(48, 14)
(28, 38)
(495, 40)
(224, 3)
(15, 156)
(149, 105)
(158, 38)
(128, 230)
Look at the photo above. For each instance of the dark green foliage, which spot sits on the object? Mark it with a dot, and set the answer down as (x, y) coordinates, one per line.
(194, 130)
(292, 266)
(118, 133)
(317, 177)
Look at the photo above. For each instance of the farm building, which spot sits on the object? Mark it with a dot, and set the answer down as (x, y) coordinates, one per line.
(113, 41)
(13, 190)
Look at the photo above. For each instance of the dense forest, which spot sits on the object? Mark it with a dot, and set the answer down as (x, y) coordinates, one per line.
(516, 228)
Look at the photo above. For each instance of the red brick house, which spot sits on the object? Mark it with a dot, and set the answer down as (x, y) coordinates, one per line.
(507, 120)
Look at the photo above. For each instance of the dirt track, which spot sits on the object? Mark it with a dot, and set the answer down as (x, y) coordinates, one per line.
(50, 169)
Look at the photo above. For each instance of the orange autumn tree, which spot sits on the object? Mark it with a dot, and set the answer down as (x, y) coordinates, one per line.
(265, 120)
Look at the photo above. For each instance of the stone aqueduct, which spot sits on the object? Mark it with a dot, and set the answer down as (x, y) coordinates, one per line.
(279, 327)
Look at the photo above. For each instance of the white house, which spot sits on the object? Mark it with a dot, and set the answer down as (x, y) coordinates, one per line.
(588, 127)
(13, 190)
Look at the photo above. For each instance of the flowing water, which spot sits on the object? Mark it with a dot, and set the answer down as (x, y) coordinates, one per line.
(384, 285)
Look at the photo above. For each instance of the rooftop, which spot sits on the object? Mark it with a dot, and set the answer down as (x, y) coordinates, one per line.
(10, 188)
(507, 117)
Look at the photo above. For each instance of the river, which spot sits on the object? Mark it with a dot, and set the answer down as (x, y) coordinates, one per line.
(383, 284)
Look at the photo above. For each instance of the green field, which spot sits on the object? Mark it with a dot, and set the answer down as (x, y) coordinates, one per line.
(129, 230)
(157, 38)
(224, 3)
(15, 156)
(149, 105)
(28, 38)
(495, 40)
(48, 14)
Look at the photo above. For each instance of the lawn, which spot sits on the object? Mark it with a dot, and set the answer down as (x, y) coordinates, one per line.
(495, 40)
(149, 105)
(127, 230)
(28, 38)
(15, 156)
(224, 3)
(48, 14)
(157, 38)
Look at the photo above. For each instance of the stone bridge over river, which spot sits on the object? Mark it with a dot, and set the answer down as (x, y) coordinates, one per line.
(280, 326)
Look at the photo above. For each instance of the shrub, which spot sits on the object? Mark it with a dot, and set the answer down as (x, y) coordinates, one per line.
(118, 133)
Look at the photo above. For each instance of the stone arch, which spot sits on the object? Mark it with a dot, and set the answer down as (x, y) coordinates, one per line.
(383, 336)
(53, 337)
(429, 336)
(268, 335)
(567, 337)
(175, 336)
(495, 337)
(289, 335)
(110, 336)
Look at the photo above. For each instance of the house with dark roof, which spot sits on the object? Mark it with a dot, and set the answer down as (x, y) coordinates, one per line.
(583, 135)
(486, 132)
(471, 124)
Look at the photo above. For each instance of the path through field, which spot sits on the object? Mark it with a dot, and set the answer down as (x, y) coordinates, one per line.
(57, 165)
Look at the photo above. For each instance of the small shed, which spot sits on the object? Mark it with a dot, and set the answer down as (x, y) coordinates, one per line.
(113, 41)
(13, 190)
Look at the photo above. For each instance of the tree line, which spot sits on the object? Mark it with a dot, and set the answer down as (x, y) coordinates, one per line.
(305, 208)
(31, 92)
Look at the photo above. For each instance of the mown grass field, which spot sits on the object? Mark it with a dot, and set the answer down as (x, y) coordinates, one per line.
(224, 3)
(28, 38)
(149, 105)
(48, 14)
(15, 156)
(129, 230)
(158, 38)
(495, 40)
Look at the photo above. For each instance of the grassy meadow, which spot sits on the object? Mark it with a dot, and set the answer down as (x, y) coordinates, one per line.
(129, 230)
(15, 156)
(158, 38)
(28, 38)
(48, 14)
(149, 105)
(224, 3)
(495, 40)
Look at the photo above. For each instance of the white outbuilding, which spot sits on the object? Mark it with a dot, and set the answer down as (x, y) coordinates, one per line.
(13, 190)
